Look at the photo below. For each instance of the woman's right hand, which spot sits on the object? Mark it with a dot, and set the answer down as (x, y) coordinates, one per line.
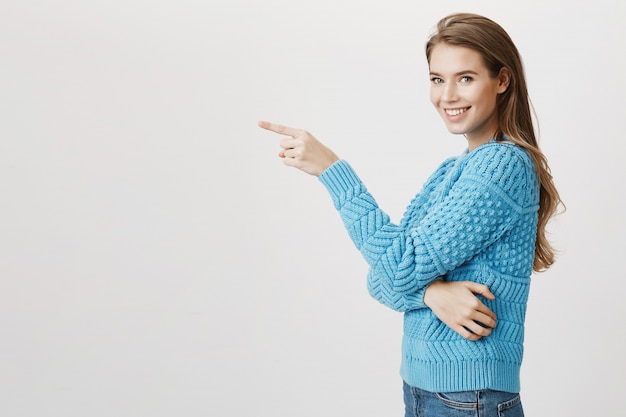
(456, 304)
(302, 150)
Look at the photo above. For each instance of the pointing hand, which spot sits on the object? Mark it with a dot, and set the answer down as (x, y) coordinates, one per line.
(301, 150)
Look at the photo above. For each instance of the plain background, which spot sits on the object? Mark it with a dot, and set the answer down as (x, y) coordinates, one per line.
(157, 259)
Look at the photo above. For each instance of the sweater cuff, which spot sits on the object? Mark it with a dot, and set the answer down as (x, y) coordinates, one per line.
(415, 300)
(339, 179)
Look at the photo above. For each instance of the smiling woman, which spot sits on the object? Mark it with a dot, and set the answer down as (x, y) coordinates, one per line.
(465, 93)
(461, 258)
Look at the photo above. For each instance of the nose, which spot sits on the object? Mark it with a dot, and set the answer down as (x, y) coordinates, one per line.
(449, 92)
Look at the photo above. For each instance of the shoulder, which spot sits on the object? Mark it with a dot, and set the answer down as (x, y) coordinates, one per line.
(506, 166)
(498, 159)
(502, 150)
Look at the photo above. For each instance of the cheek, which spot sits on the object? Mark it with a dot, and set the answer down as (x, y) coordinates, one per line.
(489, 96)
(492, 101)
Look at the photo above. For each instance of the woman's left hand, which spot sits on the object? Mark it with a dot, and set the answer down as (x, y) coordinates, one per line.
(457, 305)
(302, 150)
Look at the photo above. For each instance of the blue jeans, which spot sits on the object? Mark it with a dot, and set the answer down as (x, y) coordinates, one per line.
(485, 403)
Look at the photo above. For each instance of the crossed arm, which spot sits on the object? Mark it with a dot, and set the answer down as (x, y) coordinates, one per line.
(455, 303)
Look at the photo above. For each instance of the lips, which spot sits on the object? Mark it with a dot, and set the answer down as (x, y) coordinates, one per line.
(456, 112)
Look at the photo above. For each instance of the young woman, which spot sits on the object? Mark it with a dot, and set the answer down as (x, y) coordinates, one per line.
(462, 255)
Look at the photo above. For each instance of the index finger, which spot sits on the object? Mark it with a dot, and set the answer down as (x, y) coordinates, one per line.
(283, 130)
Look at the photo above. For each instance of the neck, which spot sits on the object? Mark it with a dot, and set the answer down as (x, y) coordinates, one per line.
(473, 143)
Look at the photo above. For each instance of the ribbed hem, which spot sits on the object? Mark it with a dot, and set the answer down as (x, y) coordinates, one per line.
(339, 179)
(458, 375)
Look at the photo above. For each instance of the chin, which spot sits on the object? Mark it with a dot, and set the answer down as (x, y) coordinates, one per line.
(456, 131)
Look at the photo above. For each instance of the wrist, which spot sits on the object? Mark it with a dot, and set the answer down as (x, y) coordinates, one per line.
(429, 292)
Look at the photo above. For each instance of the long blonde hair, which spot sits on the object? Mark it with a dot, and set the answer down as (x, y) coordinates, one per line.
(513, 106)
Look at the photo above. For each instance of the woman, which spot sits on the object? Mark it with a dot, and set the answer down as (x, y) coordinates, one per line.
(462, 256)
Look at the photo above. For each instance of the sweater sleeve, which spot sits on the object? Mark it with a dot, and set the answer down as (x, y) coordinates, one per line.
(482, 204)
(381, 291)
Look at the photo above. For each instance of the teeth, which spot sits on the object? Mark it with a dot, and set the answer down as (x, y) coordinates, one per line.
(455, 112)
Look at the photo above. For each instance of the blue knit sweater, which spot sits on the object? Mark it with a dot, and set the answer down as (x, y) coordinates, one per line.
(475, 219)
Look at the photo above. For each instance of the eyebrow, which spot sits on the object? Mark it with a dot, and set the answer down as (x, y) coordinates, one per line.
(458, 73)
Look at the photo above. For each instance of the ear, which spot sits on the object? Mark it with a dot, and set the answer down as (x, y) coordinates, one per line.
(504, 79)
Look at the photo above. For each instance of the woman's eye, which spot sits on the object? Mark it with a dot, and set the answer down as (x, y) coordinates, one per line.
(466, 79)
(436, 80)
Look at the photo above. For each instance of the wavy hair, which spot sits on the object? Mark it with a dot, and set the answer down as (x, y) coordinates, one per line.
(515, 122)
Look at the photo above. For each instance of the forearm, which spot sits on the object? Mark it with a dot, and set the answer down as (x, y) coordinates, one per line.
(389, 249)
(380, 291)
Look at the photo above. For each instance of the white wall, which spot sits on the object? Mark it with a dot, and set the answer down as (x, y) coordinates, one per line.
(157, 259)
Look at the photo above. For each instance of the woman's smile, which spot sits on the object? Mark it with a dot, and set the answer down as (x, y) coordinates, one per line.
(456, 112)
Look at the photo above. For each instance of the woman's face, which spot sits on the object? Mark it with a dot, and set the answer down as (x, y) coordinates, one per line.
(464, 93)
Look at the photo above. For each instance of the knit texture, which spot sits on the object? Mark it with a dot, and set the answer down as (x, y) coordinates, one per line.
(475, 219)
